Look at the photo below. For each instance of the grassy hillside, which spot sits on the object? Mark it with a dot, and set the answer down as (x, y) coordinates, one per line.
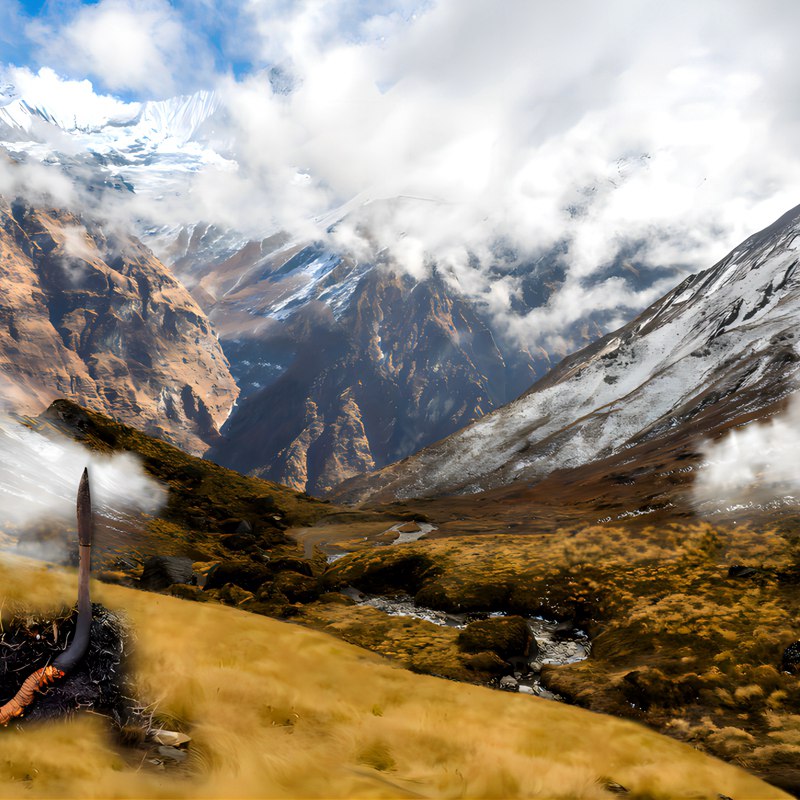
(199, 489)
(278, 711)
(677, 642)
(205, 502)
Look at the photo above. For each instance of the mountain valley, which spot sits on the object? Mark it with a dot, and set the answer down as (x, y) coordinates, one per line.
(363, 454)
(385, 361)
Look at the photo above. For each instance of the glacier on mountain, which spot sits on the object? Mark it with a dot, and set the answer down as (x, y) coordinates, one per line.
(151, 145)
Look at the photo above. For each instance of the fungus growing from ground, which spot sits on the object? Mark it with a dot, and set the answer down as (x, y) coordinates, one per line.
(64, 663)
(77, 655)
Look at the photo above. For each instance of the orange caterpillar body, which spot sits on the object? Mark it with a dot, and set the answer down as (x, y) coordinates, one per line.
(24, 697)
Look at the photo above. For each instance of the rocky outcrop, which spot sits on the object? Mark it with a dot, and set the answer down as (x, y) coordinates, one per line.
(506, 636)
(93, 315)
(402, 364)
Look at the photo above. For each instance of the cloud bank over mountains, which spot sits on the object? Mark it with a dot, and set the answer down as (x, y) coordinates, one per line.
(463, 134)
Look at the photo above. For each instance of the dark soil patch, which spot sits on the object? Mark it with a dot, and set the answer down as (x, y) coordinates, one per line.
(100, 683)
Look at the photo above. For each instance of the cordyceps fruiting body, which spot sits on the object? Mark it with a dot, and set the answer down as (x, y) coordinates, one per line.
(64, 663)
(76, 651)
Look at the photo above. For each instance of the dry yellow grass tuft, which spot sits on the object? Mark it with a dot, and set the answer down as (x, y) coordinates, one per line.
(279, 711)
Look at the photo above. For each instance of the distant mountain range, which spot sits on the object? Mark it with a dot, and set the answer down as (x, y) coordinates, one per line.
(343, 366)
(720, 347)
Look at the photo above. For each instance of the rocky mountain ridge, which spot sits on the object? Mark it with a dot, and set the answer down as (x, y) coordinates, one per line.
(725, 339)
(360, 384)
(94, 316)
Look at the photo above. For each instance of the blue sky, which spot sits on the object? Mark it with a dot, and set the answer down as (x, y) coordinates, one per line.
(221, 31)
(670, 124)
(221, 36)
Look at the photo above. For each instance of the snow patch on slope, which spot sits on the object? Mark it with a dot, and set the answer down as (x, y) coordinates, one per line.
(717, 323)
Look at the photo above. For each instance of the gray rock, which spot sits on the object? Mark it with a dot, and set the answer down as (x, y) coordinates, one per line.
(161, 572)
(172, 753)
(507, 682)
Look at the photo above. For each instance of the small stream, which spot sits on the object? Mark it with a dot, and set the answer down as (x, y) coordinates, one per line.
(557, 643)
(403, 537)
(410, 536)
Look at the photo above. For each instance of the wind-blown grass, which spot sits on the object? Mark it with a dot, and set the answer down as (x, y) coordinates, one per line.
(677, 643)
(279, 711)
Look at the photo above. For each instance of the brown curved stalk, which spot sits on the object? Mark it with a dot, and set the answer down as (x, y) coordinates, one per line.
(80, 642)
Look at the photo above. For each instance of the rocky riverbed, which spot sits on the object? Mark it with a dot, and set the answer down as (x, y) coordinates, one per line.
(556, 642)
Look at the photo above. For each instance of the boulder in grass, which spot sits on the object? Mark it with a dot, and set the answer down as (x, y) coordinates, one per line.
(296, 587)
(160, 572)
(236, 525)
(244, 542)
(301, 565)
(506, 636)
(245, 574)
(487, 662)
(230, 594)
(741, 571)
(186, 592)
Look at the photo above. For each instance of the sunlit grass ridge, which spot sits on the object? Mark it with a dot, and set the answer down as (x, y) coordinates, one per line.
(279, 711)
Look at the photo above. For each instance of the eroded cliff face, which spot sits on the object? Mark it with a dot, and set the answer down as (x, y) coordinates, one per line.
(404, 364)
(93, 315)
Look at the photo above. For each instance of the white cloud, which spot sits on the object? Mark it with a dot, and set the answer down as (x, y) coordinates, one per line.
(672, 126)
(36, 183)
(754, 465)
(72, 104)
(658, 124)
(53, 465)
(139, 45)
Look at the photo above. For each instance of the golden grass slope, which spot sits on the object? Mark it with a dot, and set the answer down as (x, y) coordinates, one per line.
(279, 711)
(676, 642)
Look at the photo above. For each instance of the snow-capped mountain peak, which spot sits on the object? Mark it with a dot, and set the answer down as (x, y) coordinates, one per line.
(153, 146)
(111, 123)
(178, 118)
(722, 344)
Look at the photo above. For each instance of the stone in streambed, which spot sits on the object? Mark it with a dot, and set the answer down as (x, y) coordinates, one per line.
(506, 636)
